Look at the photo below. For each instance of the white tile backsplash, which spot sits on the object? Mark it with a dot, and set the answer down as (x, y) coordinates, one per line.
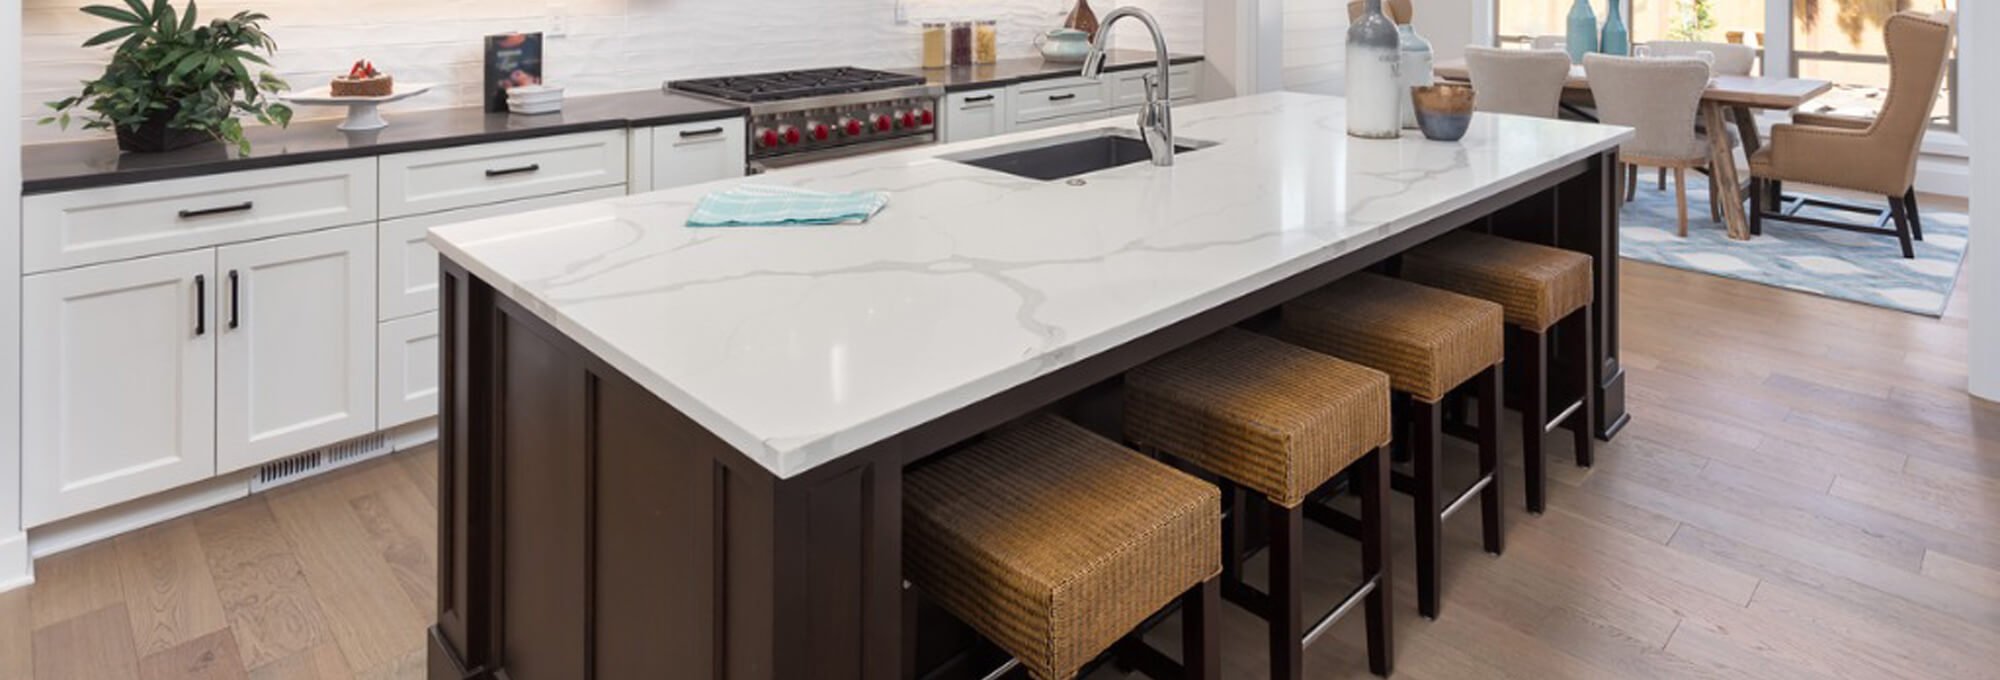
(608, 46)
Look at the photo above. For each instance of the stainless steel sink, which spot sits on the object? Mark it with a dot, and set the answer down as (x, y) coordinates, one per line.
(1068, 155)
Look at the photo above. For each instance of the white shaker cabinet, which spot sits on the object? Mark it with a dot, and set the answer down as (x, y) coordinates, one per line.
(118, 385)
(406, 381)
(975, 114)
(296, 339)
(689, 153)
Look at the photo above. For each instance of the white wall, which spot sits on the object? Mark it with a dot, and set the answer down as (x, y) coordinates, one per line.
(1982, 100)
(608, 45)
(14, 566)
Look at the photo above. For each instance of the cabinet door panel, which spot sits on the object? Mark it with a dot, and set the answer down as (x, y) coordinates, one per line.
(976, 114)
(296, 317)
(118, 387)
(407, 376)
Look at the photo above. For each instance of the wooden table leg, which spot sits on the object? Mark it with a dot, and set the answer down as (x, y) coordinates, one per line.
(1722, 172)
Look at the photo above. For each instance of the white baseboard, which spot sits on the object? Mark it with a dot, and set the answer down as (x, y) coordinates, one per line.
(16, 569)
(1944, 176)
(98, 525)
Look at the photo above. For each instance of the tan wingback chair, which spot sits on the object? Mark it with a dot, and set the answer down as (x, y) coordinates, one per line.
(1399, 11)
(1731, 59)
(1658, 99)
(1522, 82)
(1879, 156)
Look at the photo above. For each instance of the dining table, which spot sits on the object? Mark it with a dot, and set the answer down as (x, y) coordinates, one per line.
(1728, 99)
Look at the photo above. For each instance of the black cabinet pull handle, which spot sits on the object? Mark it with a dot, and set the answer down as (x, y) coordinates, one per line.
(692, 134)
(233, 306)
(1062, 97)
(200, 304)
(503, 172)
(981, 99)
(204, 212)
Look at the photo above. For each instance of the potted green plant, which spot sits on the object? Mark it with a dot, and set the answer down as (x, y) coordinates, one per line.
(173, 84)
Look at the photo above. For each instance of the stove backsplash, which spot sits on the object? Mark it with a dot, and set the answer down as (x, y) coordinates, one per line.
(606, 46)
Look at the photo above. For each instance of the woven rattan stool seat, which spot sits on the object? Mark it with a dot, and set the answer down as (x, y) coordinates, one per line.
(1271, 416)
(1537, 285)
(1427, 340)
(1054, 542)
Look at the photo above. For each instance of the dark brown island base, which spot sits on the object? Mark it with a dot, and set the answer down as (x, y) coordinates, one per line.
(589, 529)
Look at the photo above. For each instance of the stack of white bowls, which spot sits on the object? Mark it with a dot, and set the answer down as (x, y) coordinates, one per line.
(534, 99)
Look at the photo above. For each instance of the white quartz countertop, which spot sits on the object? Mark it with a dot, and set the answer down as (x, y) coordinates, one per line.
(800, 345)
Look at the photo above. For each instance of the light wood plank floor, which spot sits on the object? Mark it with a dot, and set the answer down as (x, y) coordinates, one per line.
(1805, 492)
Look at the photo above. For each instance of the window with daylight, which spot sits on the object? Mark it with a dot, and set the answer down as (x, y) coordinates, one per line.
(1841, 41)
(1835, 40)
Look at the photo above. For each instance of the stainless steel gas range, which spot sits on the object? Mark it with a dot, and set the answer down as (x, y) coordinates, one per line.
(819, 114)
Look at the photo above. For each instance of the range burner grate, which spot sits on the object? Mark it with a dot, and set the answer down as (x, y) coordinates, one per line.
(782, 85)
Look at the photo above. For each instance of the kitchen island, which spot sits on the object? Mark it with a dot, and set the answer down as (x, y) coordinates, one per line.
(673, 452)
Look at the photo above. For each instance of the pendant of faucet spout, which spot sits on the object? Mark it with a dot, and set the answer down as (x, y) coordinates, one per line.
(1156, 124)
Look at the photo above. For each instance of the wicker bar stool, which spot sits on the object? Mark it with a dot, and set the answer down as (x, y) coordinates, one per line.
(1544, 291)
(1430, 342)
(1277, 420)
(1054, 543)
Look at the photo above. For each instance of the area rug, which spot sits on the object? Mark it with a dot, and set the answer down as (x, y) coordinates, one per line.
(1829, 262)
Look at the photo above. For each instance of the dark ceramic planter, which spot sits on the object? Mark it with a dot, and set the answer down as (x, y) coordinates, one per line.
(153, 136)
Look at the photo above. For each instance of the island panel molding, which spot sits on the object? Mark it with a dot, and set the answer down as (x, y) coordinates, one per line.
(593, 526)
(813, 343)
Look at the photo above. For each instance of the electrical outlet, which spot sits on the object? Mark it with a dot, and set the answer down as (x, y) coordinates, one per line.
(902, 12)
(558, 20)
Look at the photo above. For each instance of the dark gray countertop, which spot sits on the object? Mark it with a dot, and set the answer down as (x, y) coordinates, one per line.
(1010, 71)
(66, 166)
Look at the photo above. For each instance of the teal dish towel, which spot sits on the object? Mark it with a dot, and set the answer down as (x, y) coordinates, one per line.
(753, 205)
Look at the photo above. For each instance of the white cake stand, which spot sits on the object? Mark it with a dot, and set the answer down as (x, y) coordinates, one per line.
(362, 112)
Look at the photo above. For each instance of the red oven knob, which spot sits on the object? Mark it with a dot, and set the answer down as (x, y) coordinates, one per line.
(925, 117)
(767, 137)
(909, 119)
(819, 131)
(790, 134)
(851, 126)
(883, 123)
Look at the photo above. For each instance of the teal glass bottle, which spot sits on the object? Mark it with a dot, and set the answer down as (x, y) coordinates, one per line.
(1617, 37)
(1582, 37)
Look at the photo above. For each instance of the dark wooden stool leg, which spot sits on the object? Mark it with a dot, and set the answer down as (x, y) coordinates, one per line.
(1492, 514)
(1235, 529)
(1287, 583)
(1372, 475)
(1582, 345)
(1535, 419)
(910, 627)
(1426, 446)
(1201, 637)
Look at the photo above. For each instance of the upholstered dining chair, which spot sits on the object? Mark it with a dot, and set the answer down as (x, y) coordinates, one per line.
(1399, 11)
(1731, 59)
(1878, 156)
(1659, 99)
(1522, 82)
(1727, 59)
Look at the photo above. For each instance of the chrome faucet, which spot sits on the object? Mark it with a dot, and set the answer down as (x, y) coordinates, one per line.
(1156, 120)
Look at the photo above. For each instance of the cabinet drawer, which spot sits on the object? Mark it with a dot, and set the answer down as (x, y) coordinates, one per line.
(1039, 101)
(688, 153)
(429, 181)
(89, 226)
(976, 114)
(408, 266)
(1128, 88)
(406, 376)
